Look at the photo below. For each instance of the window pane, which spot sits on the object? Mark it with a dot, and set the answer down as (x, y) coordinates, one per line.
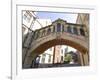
(36, 35)
(66, 49)
(69, 29)
(43, 33)
(75, 31)
(61, 58)
(43, 58)
(82, 32)
(58, 27)
(49, 31)
(49, 59)
(62, 28)
(53, 28)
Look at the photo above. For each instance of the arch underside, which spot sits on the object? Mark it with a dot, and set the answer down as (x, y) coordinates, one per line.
(42, 47)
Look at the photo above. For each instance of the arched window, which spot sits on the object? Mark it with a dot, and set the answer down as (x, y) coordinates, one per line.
(75, 31)
(69, 29)
(36, 35)
(82, 32)
(49, 31)
(62, 28)
(43, 58)
(58, 27)
(53, 28)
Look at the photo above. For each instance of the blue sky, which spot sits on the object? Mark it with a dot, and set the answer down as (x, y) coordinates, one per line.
(69, 17)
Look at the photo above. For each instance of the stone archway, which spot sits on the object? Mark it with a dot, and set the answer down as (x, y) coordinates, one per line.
(42, 47)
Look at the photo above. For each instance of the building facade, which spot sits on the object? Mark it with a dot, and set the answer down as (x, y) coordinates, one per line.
(84, 19)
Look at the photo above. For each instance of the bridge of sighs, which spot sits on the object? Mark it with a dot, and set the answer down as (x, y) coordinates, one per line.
(58, 33)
